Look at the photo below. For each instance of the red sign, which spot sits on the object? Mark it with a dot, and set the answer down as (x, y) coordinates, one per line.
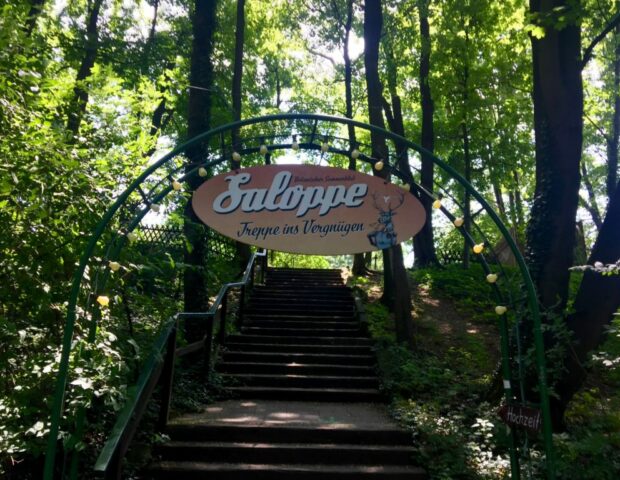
(308, 209)
(518, 416)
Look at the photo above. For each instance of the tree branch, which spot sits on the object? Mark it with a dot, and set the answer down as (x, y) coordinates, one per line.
(587, 53)
(322, 55)
(596, 126)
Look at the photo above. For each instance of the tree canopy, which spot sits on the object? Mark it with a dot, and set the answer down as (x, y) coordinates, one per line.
(522, 98)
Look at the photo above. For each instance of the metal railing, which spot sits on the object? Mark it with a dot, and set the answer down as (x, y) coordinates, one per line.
(159, 368)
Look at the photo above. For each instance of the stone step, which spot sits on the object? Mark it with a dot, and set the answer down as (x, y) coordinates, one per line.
(301, 316)
(323, 394)
(301, 271)
(339, 290)
(290, 347)
(301, 358)
(218, 432)
(286, 453)
(300, 380)
(265, 299)
(301, 307)
(305, 276)
(295, 369)
(261, 471)
(300, 331)
(300, 322)
(300, 340)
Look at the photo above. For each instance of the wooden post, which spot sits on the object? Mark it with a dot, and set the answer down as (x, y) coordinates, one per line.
(208, 348)
(221, 335)
(167, 377)
(241, 307)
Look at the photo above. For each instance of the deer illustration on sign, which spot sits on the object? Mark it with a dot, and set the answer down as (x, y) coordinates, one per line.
(383, 236)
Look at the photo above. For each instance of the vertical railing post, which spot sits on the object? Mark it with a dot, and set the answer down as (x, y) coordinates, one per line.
(167, 378)
(208, 347)
(221, 334)
(241, 306)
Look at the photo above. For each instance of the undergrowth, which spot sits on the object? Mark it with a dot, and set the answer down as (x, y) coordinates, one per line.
(440, 389)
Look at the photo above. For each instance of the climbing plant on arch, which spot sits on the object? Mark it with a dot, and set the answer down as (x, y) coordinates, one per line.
(261, 138)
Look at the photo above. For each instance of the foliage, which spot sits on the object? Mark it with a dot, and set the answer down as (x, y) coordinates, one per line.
(292, 260)
(589, 447)
(452, 280)
(54, 186)
(438, 389)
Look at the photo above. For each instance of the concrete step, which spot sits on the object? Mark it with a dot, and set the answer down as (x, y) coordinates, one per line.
(301, 307)
(287, 346)
(309, 331)
(300, 340)
(261, 471)
(299, 358)
(295, 369)
(325, 291)
(300, 322)
(300, 380)
(286, 453)
(322, 394)
(265, 299)
(217, 432)
(307, 316)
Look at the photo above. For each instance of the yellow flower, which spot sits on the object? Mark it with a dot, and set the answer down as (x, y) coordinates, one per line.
(114, 266)
(458, 222)
(176, 186)
(500, 309)
(491, 278)
(437, 204)
(478, 248)
(379, 166)
(202, 172)
(103, 300)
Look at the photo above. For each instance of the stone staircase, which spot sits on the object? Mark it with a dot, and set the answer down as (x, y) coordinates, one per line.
(303, 371)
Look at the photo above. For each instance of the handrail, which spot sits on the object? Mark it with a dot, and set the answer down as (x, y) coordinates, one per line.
(160, 366)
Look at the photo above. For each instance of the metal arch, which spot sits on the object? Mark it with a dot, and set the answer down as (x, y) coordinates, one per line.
(118, 242)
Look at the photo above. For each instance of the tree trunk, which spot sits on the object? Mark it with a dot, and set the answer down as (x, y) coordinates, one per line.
(157, 120)
(359, 265)
(396, 286)
(598, 298)
(373, 23)
(199, 119)
(499, 200)
(77, 106)
(243, 250)
(238, 75)
(467, 197)
(423, 242)
(520, 216)
(591, 205)
(614, 138)
(558, 110)
(36, 6)
(466, 152)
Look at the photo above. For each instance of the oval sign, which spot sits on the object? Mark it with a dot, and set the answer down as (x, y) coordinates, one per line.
(308, 209)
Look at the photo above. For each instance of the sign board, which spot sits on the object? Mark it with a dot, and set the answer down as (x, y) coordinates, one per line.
(519, 416)
(308, 209)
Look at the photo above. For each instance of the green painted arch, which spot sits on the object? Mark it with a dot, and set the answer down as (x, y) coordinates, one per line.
(184, 172)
